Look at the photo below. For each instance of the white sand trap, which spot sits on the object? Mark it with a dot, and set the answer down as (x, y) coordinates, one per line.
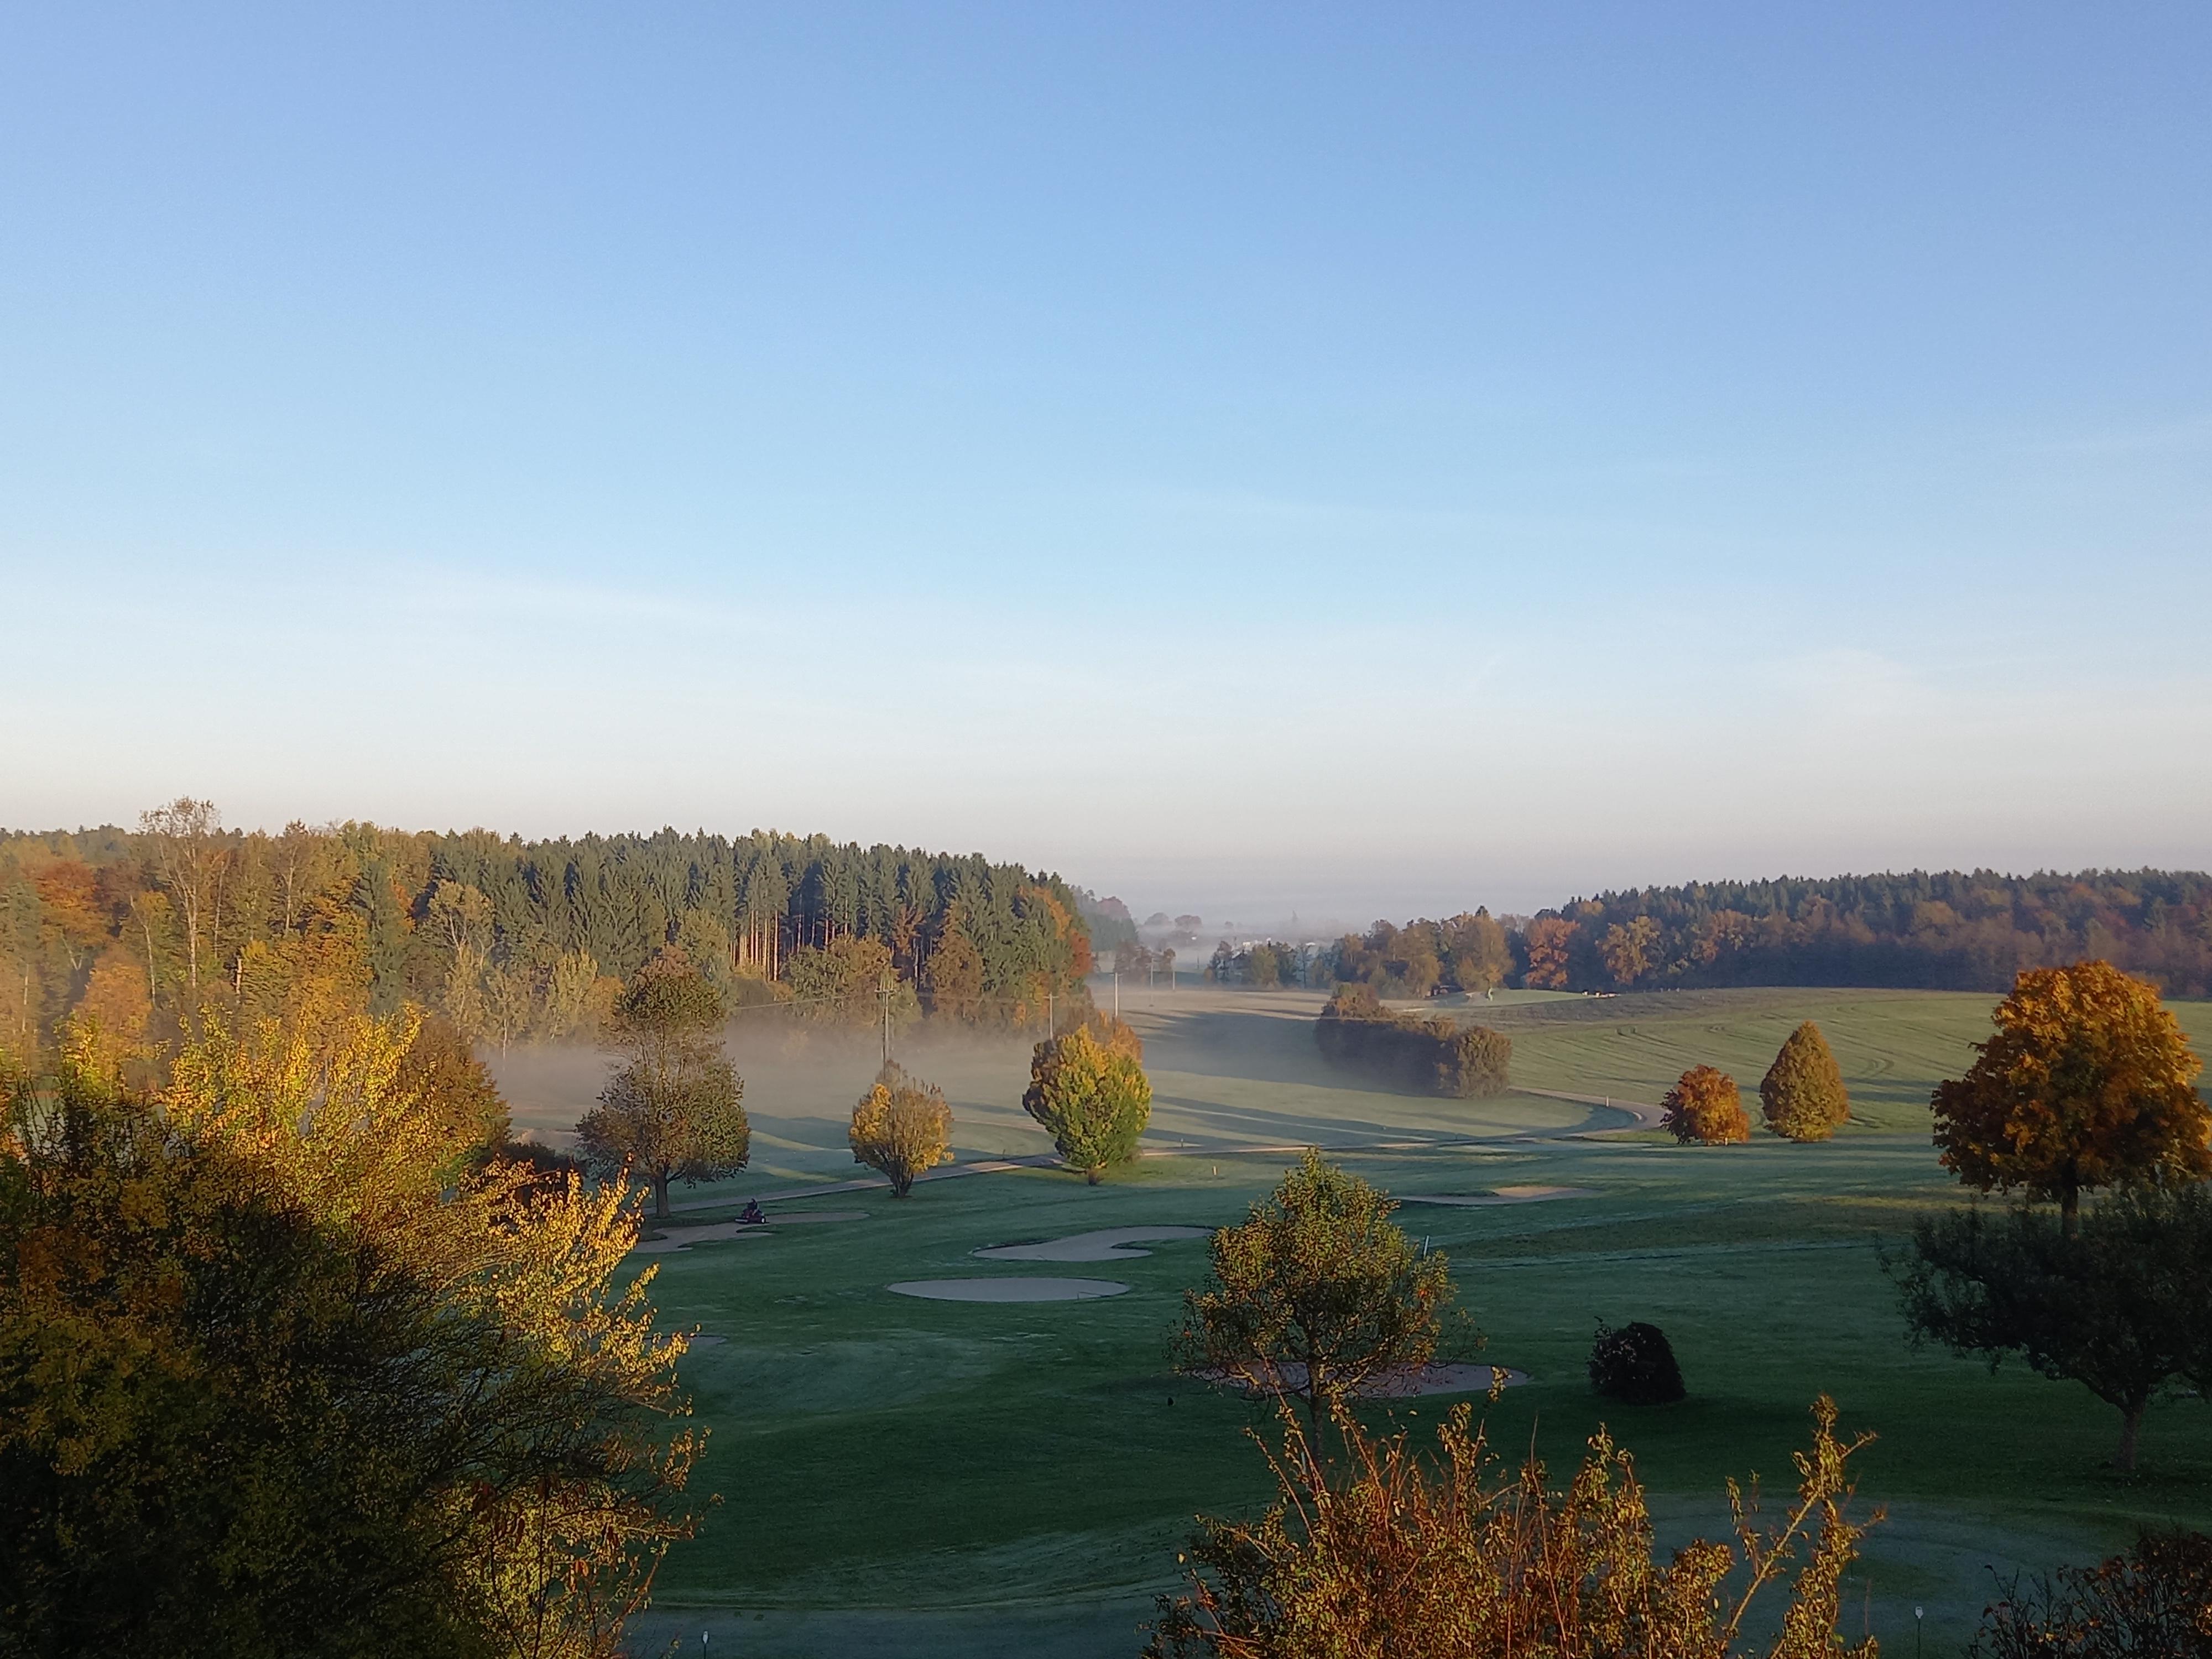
(1008, 1290)
(1107, 1244)
(668, 1239)
(1500, 1195)
(704, 1341)
(1457, 1377)
(795, 1217)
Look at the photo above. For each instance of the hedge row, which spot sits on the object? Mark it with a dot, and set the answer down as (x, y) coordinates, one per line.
(1427, 1056)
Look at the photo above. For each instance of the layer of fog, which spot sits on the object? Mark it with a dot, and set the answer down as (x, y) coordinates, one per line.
(1230, 1069)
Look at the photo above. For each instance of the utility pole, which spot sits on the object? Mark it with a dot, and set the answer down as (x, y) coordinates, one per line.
(1048, 1016)
(884, 991)
(1117, 989)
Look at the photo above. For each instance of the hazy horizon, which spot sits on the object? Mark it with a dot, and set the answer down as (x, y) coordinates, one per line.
(1319, 900)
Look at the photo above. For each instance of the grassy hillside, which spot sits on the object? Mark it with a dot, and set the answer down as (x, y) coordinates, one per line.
(1015, 1479)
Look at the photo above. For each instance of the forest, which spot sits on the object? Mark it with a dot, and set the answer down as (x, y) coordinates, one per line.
(1946, 930)
(140, 930)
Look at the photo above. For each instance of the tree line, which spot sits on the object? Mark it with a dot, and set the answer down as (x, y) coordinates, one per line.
(1946, 930)
(138, 931)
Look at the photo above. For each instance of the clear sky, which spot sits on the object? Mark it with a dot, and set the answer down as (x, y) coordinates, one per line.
(1369, 458)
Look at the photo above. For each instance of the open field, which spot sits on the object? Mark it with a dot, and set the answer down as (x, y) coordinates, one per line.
(906, 1476)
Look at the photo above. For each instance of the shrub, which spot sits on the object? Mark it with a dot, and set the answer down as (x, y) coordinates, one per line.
(1635, 1364)
(1380, 1550)
(2156, 1598)
(902, 1126)
(1425, 1055)
(1705, 1107)
(1802, 1092)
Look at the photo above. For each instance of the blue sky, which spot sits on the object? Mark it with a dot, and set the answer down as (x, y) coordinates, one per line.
(1366, 459)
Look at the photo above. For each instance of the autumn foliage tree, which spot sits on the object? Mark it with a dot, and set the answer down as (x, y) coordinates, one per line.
(675, 1110)
(1383, 1550)
(901, 1128)
(1626, 949)
(284, 1368)
(1704, 1108)
(2087, 1083)
(1802, 1092)
(1549, 943)
(1089, 1090)
(1317, 1293)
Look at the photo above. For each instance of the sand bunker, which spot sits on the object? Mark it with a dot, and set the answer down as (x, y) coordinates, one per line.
(1455, 1378)
(1008, 1290)
(1107, 1244)
(1500, 1195)
(704, 1341)
(668, 1239)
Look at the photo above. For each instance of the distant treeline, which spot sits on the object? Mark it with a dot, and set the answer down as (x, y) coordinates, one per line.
(1427, 1056)
(1112, 927)
(141, 930)
(1948, 930)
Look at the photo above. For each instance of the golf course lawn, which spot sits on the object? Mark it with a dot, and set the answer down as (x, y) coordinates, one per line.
(906, 1476)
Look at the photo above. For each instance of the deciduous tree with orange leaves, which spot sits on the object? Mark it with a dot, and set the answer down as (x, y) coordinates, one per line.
(1705, 1107)
(1549, 938)
(2087, 1083)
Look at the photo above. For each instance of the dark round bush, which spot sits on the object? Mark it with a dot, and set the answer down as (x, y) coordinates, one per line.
(1635, 1364)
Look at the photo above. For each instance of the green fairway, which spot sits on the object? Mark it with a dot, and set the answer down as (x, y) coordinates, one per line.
(904, 1476)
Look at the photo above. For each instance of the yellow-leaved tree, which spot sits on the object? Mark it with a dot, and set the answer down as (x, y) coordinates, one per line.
(902, 1126)
(1088, 1087)
(302, 1370)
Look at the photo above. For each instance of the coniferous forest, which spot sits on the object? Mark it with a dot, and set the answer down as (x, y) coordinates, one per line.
(509, 940)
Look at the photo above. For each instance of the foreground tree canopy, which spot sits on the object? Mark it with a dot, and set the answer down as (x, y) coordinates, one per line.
(285, 1367)
(2087, 1083)
(1385, 1551)
(1317, 1293)
(1089, 1090)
